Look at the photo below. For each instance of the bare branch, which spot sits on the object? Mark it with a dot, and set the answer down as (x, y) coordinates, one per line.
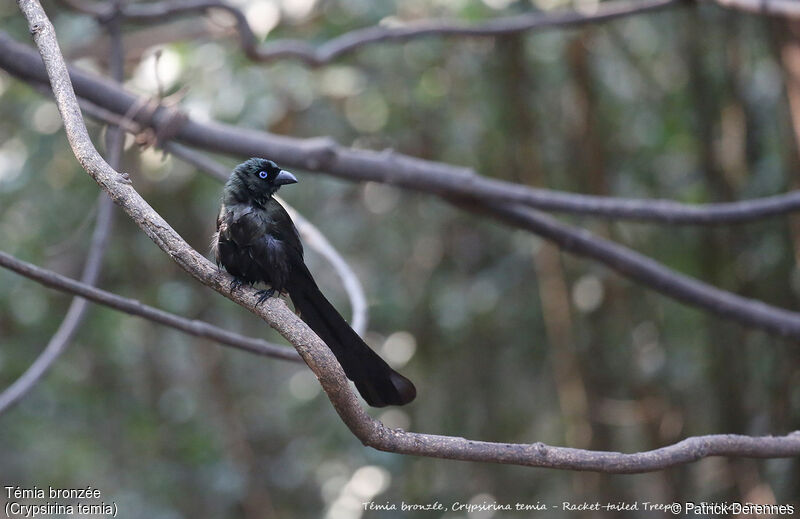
(541, 455)
(388, 167)
(325, 155)
(371, 432)
(649, 272)
(787, 8)
(352, 41)
(192, 327)
(355, 40)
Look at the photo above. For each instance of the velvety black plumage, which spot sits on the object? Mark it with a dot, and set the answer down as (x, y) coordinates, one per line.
(257, 242)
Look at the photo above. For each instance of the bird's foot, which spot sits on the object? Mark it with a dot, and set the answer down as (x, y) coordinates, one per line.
(236, 284)
(263, 295)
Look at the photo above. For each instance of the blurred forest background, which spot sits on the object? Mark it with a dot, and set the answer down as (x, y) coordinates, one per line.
(506, 338)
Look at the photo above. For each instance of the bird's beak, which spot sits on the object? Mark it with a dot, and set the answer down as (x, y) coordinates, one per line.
(284, 177)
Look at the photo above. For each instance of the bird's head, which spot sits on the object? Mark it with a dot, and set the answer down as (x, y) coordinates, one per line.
(257, 179)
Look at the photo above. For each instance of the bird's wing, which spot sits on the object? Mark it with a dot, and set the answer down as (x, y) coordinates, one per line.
(275, 258)
(238, 230)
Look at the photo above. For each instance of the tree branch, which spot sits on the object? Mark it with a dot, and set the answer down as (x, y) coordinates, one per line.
(325, 155)
(357, 39)
(649, 272)
(686, 451)
(192, 327)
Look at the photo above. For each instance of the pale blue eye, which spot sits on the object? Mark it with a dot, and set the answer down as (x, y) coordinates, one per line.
(262, 174)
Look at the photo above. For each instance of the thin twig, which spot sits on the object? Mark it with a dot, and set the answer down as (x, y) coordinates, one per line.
(357, 39)
(320, 359)
(192, 327)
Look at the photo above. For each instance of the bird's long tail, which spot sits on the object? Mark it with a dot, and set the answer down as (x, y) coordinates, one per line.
(377, 383)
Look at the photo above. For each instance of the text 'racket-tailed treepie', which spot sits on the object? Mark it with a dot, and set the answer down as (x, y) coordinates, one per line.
(256, 242)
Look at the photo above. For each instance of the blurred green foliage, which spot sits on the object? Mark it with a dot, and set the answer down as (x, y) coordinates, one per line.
(514, 342)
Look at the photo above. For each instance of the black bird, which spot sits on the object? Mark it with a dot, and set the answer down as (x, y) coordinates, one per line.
(257, 242)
